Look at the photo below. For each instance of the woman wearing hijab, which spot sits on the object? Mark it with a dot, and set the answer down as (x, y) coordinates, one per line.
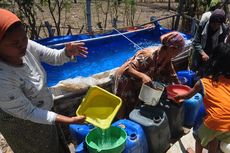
(208, 35)
(149, 64)
(26, 119)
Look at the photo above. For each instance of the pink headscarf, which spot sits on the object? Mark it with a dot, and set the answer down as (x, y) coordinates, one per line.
(6, 20)
(173, 38)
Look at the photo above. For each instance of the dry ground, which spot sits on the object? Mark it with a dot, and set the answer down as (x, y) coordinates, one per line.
(76, 17)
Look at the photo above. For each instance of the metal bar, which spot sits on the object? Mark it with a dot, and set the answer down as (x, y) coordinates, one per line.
(159, 19)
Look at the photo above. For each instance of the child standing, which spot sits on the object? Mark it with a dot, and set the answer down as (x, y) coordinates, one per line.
(216, 89)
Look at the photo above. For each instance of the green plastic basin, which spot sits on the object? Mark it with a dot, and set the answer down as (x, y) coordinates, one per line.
(111, 140)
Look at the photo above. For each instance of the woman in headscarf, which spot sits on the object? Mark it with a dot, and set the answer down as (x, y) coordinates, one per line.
(26, 119)
(208, 35)
(149, 64)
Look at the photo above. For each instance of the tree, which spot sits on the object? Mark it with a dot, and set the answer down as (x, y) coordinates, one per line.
(27, 12)
(130, 11)
(56, 7)
(114, 12)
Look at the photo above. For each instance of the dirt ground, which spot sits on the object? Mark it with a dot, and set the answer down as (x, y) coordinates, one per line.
(75, 18)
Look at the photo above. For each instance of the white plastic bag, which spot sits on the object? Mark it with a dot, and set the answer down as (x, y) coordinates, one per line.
(77, 84)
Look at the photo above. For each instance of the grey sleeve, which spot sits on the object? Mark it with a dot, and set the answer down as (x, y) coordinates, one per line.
(14, 102)
(48, 55)
(197, 40)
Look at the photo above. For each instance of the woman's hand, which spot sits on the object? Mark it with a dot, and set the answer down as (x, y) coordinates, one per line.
(78, 119)
(76, 49)
(178, 98)
(204, 56)
(146, 79)
(70, 120)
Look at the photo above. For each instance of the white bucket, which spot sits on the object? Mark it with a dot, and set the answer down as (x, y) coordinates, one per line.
(225, 148)
(151, 96)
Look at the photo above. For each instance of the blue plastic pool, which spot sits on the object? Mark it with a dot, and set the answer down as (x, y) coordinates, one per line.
(104, 54)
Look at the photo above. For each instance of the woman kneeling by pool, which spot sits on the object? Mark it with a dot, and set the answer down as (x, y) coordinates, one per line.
(148, 64)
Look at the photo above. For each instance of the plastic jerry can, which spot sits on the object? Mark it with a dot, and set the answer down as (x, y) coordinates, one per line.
(81, 148)
(191, 107)
(79, 131)
(199, 117)
(155, 124)
(189, 75)
(183, 80)
(175, 115)
(136, 141)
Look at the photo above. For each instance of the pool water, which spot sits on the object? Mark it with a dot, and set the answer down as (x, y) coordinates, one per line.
(104, 54)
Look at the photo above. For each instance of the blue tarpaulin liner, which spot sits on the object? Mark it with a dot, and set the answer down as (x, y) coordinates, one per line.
(106, 51)
(62, 39)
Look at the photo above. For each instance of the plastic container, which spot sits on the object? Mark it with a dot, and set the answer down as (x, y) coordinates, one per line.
(173, 90)
(79, 131)
(155, 124)
(189, 75)
(111, 140)
(199, 117)
(175, 115)
(225, 148)
(183, 80)
(81, 148)
(191, 107)
(151, 95)
(99, 106)
(136, 141)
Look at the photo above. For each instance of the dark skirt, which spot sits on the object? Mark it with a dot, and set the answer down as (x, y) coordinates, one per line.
(27, 137)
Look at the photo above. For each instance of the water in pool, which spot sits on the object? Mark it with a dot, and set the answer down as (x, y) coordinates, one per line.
(105, 54)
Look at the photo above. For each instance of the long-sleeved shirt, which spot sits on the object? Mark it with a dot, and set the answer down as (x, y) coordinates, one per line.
(201, 41)
(24, 93)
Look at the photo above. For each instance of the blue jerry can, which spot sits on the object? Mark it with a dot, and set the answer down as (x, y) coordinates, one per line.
(79, 131)
(191, 108)
(136, 141)
(189, 75)
(199, 117)
(81, 148)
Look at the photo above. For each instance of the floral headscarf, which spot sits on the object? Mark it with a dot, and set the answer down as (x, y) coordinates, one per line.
(173, 38)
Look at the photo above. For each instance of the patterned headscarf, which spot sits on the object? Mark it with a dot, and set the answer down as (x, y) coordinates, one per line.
(173, 38)
(6, 20)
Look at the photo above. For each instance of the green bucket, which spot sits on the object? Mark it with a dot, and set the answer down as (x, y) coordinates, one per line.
(111, 140)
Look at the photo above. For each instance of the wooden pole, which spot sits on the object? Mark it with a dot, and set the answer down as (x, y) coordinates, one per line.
(88, 15)
(169, 5)
(180, 9)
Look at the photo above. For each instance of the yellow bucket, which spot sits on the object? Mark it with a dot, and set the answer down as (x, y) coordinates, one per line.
(99, 106)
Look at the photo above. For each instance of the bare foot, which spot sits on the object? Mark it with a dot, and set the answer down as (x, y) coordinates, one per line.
(190, 150)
